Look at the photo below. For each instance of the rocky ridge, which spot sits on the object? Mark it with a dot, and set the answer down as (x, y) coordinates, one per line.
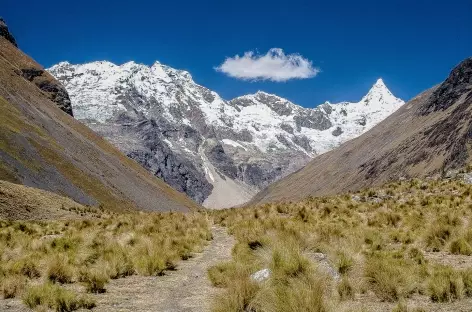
(218, 152)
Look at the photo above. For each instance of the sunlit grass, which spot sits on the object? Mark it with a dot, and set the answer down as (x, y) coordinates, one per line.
(375, 244)
(39, 258)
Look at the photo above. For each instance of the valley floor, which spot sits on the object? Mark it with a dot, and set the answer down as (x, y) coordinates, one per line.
(405, 247)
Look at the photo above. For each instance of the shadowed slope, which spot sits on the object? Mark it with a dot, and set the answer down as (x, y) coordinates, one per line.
(429, 135)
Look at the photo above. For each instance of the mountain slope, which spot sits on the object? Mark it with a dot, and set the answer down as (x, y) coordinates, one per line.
(430, 135)
(19, 202)
(218, 152)
(43, 147)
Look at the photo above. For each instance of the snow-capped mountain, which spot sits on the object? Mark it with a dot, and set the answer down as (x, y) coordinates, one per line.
(218, 152)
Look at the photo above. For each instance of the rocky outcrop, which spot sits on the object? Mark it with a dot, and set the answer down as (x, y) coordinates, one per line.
(157, 156)
(52, 88)
(4, 32)
(41, 78)
(456, 85)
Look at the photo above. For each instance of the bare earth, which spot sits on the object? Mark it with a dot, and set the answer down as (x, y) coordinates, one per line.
(186, 289)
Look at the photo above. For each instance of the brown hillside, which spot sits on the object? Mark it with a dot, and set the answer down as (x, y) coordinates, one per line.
(429, 135)
(19, 202)
(44, 147)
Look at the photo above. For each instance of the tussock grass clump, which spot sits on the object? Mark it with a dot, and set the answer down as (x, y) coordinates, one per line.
(151, 264)
(306, 293)
(417, 256)
(221, 274)
(238, 296)
(60, 271)
(344, 263)
(288, 262)
(467, 280)
(95, 280)
(12, 286)
(446, 285)
(118, 263)
(438, 236)
(460, 247)
(390, 279)
(26, 267)
(56, 298)
(345, 289)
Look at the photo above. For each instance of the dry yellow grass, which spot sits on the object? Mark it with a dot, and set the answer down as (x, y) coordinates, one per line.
(37, 258)
(19, 202)
(378, 240)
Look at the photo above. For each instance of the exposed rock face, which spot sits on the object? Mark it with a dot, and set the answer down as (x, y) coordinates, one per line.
(429, 136)
(4, 32)
(457, 84)
(337, 132)
(156, 156)
(219, 152)
(42, 79)
(52, 88)
(57, 94)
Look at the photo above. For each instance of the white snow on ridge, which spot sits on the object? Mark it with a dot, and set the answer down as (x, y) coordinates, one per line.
(93, 88)
(233, 143)
(93, 82)
(258, 129)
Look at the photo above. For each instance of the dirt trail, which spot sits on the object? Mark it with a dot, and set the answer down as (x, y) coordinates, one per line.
(186, 289)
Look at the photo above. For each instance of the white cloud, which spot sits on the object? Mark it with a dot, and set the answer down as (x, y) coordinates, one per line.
(274, 65)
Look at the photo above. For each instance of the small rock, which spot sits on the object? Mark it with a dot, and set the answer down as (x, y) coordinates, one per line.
(356, 198)
(319, 256)
(467, 178)
(325, 266)
(261, 275)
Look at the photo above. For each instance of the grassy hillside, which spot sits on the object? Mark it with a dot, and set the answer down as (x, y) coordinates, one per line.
(406, 246)
(59, 265)
(19, 202)
(44, 147)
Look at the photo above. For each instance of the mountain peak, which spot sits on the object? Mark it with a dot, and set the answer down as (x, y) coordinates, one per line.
(380, 83)
(379, 95)
(4, 32)
(63, 63)
(263, 93)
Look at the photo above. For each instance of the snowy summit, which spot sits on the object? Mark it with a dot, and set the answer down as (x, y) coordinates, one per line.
(217, 151)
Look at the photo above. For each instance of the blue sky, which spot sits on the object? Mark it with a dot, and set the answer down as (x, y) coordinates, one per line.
(411, 44)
